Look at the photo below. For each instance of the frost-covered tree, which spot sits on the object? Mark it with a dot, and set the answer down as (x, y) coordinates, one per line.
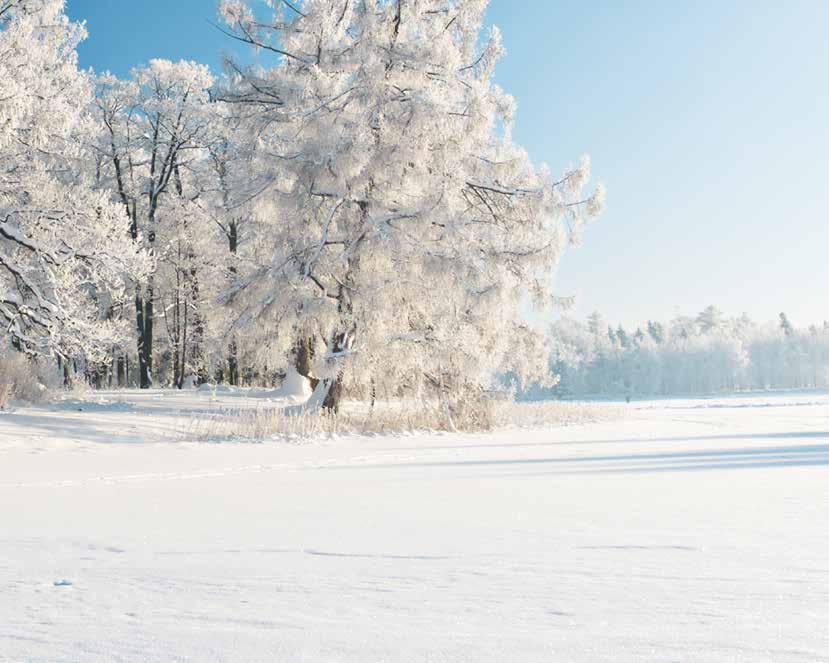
(638, 337)
(785, 325)
(596, 323)
(62, 254)
(710, 320)
(406, 232)
(656, 331)
(622, 336)
(691, 358)
(236, 175)
(154, 130)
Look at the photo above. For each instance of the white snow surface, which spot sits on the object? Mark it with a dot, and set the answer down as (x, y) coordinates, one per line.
(693, 530)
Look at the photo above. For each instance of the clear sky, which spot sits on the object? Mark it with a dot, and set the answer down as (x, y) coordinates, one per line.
(708, 122)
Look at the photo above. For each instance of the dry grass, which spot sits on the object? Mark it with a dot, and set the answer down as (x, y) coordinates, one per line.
(19, 380)
(389, 418)
(543, 414)
(5, 394)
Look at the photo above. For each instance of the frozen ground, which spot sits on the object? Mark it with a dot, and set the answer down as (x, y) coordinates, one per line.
(687, 531)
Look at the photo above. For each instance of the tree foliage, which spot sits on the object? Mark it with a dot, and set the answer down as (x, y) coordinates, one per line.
(404, 232)
(62, 257)
(706, 354)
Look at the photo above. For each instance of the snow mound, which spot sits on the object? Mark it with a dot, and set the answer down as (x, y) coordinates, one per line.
(190, 382)
(215, 388)
(98, 405)
(294, 386)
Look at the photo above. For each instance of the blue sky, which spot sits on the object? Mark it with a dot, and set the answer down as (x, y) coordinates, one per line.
(708, 122)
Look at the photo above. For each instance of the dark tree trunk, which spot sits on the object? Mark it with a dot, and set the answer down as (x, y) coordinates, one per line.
(332, 400)
(121, 370)
(144, 322)
(233, 365)
(232, 240)
(197, 335)
(233, 350)
(139, 323)
(176, 381)
(303, 358)
(182, 354)
(331, 404)
(67, 375)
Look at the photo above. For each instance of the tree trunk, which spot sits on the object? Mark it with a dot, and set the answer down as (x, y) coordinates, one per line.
(335, 387)
(121, 371)
(197, 334)
(233, 349)
(183, 353)
(67, 375)
(233, 365)
(331, 404)
(303, 357)
(139, 324)
(144, 322)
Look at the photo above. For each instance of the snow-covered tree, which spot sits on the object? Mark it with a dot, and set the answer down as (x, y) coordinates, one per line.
(785, 325)
(237, 173)
(62, 249)
(693, 356)
(154, 134)
(406, 232)
(656, 331)
(710, 320)
(622, 337)
(596, 323)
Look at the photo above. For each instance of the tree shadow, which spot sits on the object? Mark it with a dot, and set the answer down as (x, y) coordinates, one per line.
(86, 429)
(802, 455)
(790, 435)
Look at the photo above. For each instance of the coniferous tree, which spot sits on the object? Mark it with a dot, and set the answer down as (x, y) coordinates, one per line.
(622, 335)
(736, 354)
(656, 331)
(785, 325)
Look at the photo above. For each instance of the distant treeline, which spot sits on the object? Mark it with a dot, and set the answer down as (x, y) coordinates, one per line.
(704, 354)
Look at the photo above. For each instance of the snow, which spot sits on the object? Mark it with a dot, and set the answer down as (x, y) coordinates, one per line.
(685, 531)
(295, 386)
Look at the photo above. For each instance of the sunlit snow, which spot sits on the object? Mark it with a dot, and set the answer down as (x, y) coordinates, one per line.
(689, 530)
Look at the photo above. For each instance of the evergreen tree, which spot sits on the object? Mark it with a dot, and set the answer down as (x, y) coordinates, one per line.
(710, 320)
(656, 332)
(785, 325)
(622, 335)
(595, 323)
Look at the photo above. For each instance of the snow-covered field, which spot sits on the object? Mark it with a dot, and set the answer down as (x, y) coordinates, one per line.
(684, 531)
